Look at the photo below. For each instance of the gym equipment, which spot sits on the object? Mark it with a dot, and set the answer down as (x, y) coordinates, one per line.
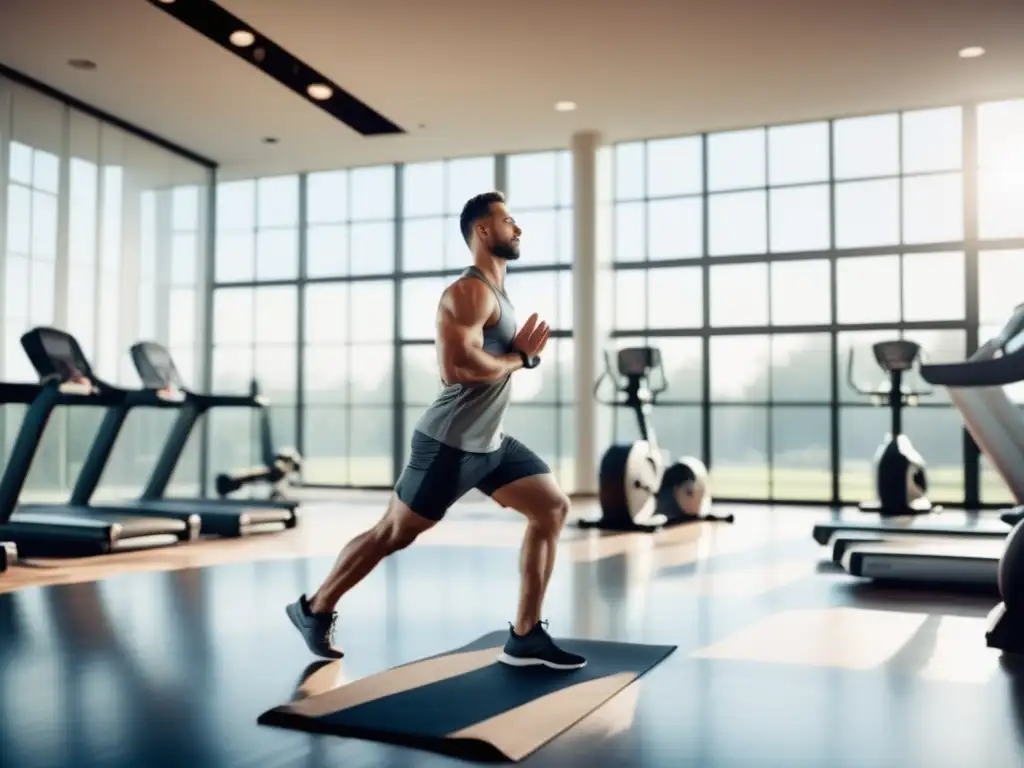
(827, 533)
(157, 370)
(8, 555)
(68, 529)
(956, 563)
(636, 490)
(1006, 621)
(220, 517)
(285, 463)
(975, 386)
(1013, 516)
(57, 352)
(900, 481)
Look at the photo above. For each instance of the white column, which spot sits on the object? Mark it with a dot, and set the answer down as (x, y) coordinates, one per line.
(588, 332)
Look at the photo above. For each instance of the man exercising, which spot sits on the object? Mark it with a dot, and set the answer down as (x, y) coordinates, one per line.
(459, 444)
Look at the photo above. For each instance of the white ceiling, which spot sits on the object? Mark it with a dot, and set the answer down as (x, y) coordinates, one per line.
(483, 78)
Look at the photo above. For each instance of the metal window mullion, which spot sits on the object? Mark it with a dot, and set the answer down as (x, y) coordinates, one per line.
(397, 380)
(706, 320)
(300, 317)
(60, 286)
(6, 134)
(901, 213)
(61, 279)
(835, 444)
(972, 299)
(208, 327)
(347, 350)
(769, 421)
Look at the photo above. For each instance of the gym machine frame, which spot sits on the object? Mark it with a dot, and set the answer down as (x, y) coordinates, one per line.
(157, 370)
(635, 489)
(900, 481)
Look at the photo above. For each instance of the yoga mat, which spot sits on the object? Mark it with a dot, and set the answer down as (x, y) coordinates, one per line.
(467, 704)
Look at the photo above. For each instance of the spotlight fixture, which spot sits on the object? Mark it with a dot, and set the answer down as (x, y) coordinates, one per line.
(251, 45)
(565, 106)
(242, 38)
(972, 52)
(319, 91)
(86, 65)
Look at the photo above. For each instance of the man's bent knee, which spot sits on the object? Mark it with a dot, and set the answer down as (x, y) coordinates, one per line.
(392, 537)
(552, 516)
(400, 527)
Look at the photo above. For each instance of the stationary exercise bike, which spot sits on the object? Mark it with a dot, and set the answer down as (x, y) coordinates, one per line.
(900, 481)
(637, 491)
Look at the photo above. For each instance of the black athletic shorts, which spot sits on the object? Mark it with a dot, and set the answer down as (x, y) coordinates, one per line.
(438, 475)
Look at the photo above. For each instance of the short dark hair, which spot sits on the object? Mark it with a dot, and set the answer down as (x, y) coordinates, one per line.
(475, 209)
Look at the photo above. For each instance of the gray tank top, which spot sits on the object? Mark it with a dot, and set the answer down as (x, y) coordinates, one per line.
(469, 416)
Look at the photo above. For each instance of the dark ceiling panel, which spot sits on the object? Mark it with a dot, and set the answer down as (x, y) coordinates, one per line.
(217, 24)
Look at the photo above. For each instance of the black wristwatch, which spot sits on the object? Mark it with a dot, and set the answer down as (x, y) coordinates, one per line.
(529, 362)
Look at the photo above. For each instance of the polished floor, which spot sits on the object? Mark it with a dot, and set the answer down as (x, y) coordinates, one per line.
(168, 659)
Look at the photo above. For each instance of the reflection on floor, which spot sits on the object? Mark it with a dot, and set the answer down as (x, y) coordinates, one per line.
(171, 657)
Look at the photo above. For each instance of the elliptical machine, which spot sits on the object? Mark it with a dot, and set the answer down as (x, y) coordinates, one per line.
(636, 490)
(900, 480)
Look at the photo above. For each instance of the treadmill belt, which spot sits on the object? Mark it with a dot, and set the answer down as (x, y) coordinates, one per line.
(944, 564)
(824, 532)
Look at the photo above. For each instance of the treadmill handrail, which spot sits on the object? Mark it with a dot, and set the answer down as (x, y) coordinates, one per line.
(206, 402)
(997, 372)
(19, 393)
(982, 369)
(1012, 327)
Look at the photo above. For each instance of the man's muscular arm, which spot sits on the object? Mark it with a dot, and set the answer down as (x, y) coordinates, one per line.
(464, 311)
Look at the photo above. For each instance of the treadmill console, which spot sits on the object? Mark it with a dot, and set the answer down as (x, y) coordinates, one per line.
(156, 368)
(55, 354)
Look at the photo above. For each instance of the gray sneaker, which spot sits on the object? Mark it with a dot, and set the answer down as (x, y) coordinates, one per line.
(317, 629)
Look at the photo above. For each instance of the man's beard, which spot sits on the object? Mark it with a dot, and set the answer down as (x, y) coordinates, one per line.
(505, 251)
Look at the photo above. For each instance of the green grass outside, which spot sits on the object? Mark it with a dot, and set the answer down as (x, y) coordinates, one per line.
(743, 482)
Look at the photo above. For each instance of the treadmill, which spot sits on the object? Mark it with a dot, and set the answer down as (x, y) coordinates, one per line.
(995, 424)
(58, 350)
(158, 372)
(48, 530)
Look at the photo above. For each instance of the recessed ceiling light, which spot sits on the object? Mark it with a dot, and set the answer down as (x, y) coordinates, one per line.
(565, 106)
(165, 2)
(319, 91)
(242, 38)
(83, 64)
(972, 52)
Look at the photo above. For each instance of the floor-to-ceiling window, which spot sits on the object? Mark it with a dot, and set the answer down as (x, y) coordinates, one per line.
(1000, 229)
(542, 414)
(375, 249)
(255, 313)
(82, 236)
(758, 259)
(755, 259)
(348, 343)
(433, 253)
